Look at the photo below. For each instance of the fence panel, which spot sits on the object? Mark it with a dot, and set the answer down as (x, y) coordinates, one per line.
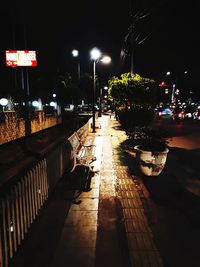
(19, 208)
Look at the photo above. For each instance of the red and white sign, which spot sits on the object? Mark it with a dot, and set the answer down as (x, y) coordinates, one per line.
(21, 58)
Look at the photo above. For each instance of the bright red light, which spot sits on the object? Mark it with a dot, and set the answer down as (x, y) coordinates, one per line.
(162, 84)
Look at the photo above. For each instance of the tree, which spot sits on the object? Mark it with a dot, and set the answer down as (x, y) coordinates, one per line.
(132, 89)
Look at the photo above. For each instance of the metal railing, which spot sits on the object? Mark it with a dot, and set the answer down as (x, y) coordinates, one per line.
(21, 200)
(19, 207)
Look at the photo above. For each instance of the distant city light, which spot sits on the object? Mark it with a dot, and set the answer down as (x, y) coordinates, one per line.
(162, 84)
(35, 104)
(168, 73)
(54, 95)
(52, 104)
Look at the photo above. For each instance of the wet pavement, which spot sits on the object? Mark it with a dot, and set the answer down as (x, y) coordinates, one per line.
(125, 220)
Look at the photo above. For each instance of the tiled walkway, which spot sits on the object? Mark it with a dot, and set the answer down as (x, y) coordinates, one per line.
(94, 229)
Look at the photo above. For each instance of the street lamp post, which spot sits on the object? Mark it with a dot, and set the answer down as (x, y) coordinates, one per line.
(96, 56)
(75, 53)
(94, 96)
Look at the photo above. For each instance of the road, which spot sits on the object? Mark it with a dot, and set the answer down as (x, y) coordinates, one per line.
(184, 143)
(184, 134)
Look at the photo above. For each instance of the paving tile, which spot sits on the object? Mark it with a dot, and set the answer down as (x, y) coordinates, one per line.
(133, 226)
(129, 194)
(124, 187)
(81, 236)
(140, 241)
(81, 218)
(93, 193)
(131, 203)
(86, 204)
(135, 214)
(125, 181)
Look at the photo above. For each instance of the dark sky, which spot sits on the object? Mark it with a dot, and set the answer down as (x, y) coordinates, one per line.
(54, 28)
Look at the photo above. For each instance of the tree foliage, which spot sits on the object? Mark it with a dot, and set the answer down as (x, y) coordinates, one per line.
(133, 89)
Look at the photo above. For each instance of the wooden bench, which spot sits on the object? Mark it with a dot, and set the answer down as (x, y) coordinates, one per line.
(83, 154)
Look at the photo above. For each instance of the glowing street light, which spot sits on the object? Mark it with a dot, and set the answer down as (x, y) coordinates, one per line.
(106, 60)
(75, 53)
(3, 102)
(96, 56)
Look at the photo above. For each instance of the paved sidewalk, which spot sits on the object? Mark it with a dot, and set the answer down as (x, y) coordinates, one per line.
(109, 227)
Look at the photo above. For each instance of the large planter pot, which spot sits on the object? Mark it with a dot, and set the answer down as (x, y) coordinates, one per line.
(151, 163)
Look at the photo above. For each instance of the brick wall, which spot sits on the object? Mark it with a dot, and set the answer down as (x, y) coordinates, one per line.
(12, 127)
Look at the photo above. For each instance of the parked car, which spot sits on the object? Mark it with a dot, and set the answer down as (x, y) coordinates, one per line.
(164, 113)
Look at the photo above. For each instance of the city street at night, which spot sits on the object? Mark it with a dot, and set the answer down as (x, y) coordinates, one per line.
(99, 133)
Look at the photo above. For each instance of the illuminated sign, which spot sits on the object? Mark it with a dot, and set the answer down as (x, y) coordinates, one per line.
(21, 58)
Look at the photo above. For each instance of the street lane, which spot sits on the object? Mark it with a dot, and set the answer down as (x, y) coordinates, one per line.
(184, 134)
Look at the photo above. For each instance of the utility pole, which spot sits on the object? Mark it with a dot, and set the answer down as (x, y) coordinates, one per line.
(133, 39)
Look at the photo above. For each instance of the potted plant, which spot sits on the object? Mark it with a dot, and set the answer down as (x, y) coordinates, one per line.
(148, 140)
(152, 151)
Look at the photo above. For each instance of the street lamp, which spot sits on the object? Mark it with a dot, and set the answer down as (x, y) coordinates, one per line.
(3, 102)
(96, 56)
(75, 53)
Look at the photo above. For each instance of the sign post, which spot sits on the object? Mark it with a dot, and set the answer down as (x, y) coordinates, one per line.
(23, 58)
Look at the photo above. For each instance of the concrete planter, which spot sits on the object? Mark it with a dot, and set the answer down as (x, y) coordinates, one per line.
(151, 163)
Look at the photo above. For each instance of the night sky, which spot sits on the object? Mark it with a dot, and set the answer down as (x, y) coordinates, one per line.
(55, 28)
